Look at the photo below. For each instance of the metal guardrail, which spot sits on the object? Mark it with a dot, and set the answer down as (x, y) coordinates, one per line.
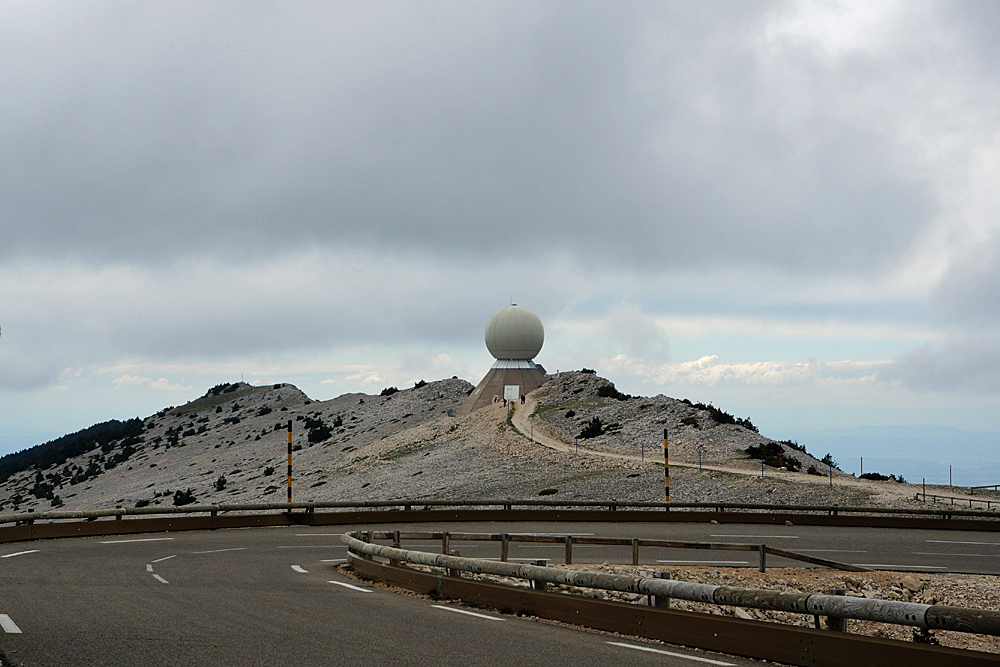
(935, 497)
(568, 541)
(506, 504)
(934, 617)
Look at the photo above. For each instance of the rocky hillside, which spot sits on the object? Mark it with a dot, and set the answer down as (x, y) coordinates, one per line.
(230, 446)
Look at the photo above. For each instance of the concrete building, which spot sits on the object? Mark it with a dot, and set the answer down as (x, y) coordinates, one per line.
(514, 336)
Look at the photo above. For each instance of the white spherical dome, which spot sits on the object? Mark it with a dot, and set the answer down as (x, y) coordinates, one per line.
(514, 332)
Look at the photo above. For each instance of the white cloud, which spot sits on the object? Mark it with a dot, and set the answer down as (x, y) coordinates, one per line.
(161, 384)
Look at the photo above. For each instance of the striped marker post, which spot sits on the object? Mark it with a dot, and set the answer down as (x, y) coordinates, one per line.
(289, 460)
(666, 466)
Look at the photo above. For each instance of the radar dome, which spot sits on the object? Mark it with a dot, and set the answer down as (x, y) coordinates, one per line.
(514, 332)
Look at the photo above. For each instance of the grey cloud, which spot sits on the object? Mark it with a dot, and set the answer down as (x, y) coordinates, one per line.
(966, 364)
(630, 136)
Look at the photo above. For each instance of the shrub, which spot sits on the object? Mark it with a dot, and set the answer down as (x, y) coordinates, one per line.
(593, 428)
(268, 471)
(388, 391)
(609, 391)
(772, 454)
(184, 497)
(590, 371)
(812, 470)
(570, 413)
(142, 503)
(265, 410)
(828, 460)
(418, 385)
(220, 483)
(548, 492)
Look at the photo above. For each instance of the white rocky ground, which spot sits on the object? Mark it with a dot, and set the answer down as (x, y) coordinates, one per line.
(408, 445)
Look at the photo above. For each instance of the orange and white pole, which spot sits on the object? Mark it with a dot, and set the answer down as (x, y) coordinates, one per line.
(289, 460)
(666, 466)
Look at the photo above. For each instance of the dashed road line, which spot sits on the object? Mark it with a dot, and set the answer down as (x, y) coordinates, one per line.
(149, 567)
(891, 566)
(148, 539)
(219, 551)
(706, 562)
(298, 568)
(467, 613)
(351, 586)
(160, 579)
(159, 560)
(989, 544)
(316, 546)
(20, 553)
(934, 553)
(334, 560)
(762, 537)
(674, 655)
(9, 626)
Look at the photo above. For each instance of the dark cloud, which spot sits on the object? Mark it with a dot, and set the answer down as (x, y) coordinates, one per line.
(621, 135)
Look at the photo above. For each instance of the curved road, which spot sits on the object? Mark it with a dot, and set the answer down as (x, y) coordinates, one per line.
(273, 596)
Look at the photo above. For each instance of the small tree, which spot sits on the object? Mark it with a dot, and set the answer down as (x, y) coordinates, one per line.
(220, 483)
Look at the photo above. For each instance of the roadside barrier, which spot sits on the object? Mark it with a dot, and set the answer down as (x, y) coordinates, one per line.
(628, 508)
(933, 617)
(447, 538)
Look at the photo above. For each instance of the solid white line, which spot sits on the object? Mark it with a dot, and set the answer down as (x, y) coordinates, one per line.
(20, 553)
(468, 613)
(9, 626)
(353, 588)
(160, 579)
(165, 558)
(555, 535)
(756, 537)
(149, 567)
(219, 551)
(991, 544)
(148, 539)
(318, 535)
(830, 551)
(298, 568)
(334, 560)
(915, 567)
(674, 655)
(707, 562)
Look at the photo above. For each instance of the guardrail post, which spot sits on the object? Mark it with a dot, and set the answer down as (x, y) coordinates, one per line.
(504, 545)
(452, 572)
(118, 517)
(635, 551)
(445, 542)
(569, 549)
(661, 600)
(31, 522)
(540, 585)
(832, 622)
(396, 542)
(763, 558)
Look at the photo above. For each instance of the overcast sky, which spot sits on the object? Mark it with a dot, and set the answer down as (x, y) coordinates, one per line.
(787, 209)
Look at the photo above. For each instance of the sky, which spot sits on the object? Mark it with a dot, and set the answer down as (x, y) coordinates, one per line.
(787, 209)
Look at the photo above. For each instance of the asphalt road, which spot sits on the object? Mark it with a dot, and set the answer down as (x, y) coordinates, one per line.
(274, 597)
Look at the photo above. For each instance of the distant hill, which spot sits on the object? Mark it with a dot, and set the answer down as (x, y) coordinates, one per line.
(230, 446)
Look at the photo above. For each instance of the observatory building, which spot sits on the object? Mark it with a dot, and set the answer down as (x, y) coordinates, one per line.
(514, 336)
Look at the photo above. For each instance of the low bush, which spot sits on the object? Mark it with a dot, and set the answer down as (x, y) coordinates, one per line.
(184, 497)
(593, 429)
(772, 454)
(389, 391)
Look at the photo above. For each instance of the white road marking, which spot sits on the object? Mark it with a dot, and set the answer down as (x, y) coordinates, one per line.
(468, 613)
(555, 535)
(991, 544)
(9, 626)
(915, 567)
(20, 553)
(148, 539)
(334, 560)
(352, 587)
(707, 562)
(149, 567)
(317, 546)
(165, 558)
(933, 553)
(298, 568)
(160, 579)
(318, 535)
(830, 551)
(674, 655)
(762, 537)
(219, 551)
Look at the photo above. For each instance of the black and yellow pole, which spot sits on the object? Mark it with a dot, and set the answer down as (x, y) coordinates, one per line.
(289, 460)
(666, 466)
